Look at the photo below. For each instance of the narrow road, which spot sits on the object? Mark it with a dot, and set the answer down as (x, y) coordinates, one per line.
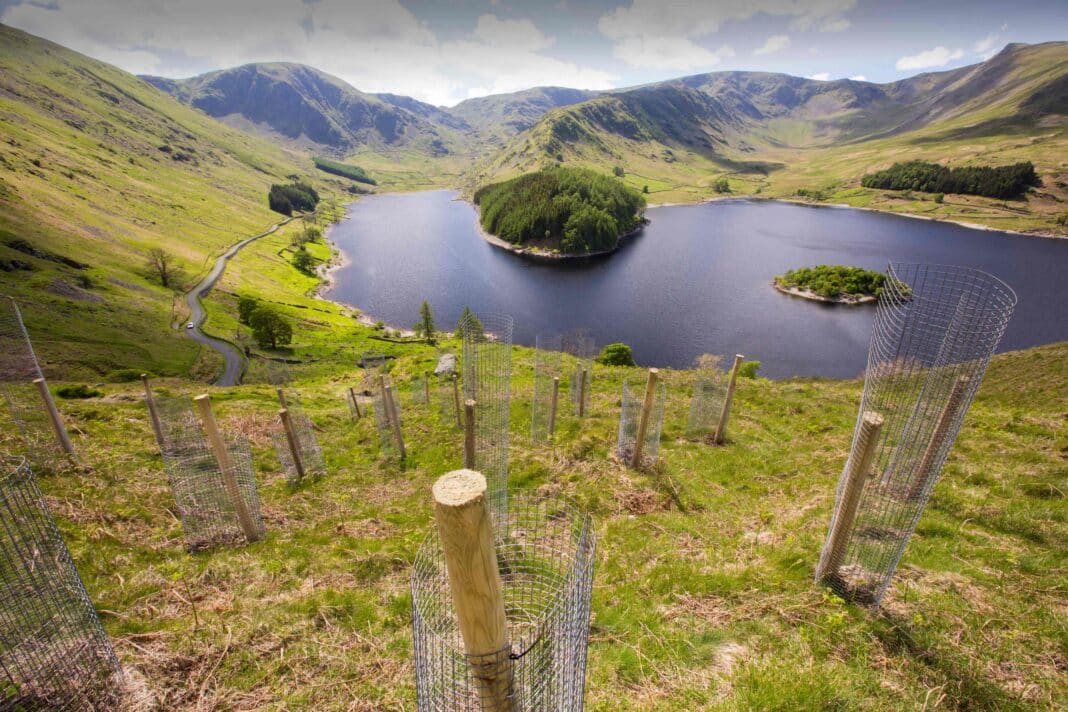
(235, 360)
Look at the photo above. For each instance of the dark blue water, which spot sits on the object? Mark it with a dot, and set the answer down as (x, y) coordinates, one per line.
(697, 280)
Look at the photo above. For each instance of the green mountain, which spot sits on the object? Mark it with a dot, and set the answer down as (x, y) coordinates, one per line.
(499, 116)
(96, 168)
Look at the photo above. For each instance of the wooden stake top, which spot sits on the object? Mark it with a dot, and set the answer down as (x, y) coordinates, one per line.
(459, 488)
(871, 418)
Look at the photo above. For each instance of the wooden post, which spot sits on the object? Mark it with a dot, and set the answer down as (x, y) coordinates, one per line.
(938, 437)
(355, 402)
(582, 393)
(426, 387)
(721, 427)
(552, 406)
(226, 466)
(456, 400)
(469, 434)
(294, 444)
(153, 415)
(870, 425)
(643, 421)
(394, 420)
(467, 543)
(282, 399)
(54, 417)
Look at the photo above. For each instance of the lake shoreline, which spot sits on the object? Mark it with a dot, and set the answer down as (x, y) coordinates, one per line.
(847, 300)
(538, 255)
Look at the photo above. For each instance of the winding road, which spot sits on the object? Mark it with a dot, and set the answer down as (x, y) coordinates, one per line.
(235, 360)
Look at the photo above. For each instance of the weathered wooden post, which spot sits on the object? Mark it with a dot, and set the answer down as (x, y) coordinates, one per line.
(294, 443)
(153, 414)
(226, 466)
(583, 377)
(355, 402)
(643, 421)
(938, 437)
(54, 417)
(469, 434)
(867, 438)
(467, 542)
(426, 387)
(721, 428)
(456, 400)
(552, 406)
(282, 399)
(394, 419)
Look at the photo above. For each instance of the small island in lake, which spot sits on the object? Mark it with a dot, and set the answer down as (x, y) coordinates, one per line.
(560, 212)
(837, 284)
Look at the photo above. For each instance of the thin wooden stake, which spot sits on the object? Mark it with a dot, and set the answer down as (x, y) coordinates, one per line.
(938, 437)
(54, 417)
(870, 425)
(282, 399)
(469, 434)
(355, 402)
(721, 427)
(456, 400)
(426, 386)
(582, 393)
(394, 419)
(226, 465)
(153, 415)
(294, 444)
(467, 543)
(552, 406)
(643, 421)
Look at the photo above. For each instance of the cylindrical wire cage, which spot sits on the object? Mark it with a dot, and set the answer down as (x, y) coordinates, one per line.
(546, 561)
(311, 455)
(547, 367)
(385, 411)
(630, 419)
(357, 403)
(582, 348)
(420, 386)
(487, 377)
(209, 513)
(935, 330)
(447, 388)
(18, 370)
(54, 654)
(709, 394)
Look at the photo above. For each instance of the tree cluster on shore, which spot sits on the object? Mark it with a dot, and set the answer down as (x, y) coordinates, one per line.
(833, 281)
(574, 209)
(1000, 182)
(285, 198)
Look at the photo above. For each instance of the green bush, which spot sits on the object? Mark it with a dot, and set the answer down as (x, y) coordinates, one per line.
(939, 198)
(285, 198)
(575, 209)
(79, 391)
(722, 185)
(123, 375)
(617, 354)
(269, 328)
(304, 261)
(748, 369)
(832, 281)
(245, 307)
(344, 170)
(1000, 182)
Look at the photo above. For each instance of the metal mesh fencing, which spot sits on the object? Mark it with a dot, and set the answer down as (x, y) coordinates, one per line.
(546, 561)
(547, 371)
(709, 395)
(385, 411)
(487, 377)
(19, 369)
(581, 346)
(308, 450)
(54, 653)
(266, 370)
(205, 502)
(935, 330)
(420, 386)
(630, 419)
(357, 403)
(447, 389)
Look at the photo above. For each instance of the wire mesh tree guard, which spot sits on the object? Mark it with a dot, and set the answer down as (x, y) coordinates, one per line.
(25, 391)
(420, 386)
(387, 411)
(487, 378)
(935, 330)
(545, 400)
(709, 395)
(447, 388)
(649, 399)
(54, 654)
(218, 503)
(582, 348)
(545, 560)
(357, 403)
(299, 436)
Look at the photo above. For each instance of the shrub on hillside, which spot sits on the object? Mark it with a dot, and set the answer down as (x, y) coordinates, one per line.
(285, 198)
(999, 182)
(617, 354)
(269, 328)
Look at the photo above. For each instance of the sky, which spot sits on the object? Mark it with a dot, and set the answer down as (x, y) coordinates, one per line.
(443, 52)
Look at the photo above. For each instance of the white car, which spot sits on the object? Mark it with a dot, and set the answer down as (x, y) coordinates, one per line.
(190, 325)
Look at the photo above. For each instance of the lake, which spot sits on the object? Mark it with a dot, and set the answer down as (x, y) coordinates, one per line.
(696, 280)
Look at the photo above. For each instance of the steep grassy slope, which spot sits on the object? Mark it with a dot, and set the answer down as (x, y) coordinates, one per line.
(703, 597)
(774, 134)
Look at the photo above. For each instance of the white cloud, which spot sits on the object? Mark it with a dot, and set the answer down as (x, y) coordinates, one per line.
(775, 43)
(986, 47)
(859, 78)
(375, 46)
(836, 25)
(820, 77)
(648, 28)
(928, 59)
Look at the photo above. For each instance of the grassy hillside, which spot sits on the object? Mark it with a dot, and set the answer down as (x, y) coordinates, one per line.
(775, 135)
(703, 594)
(98, 167)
